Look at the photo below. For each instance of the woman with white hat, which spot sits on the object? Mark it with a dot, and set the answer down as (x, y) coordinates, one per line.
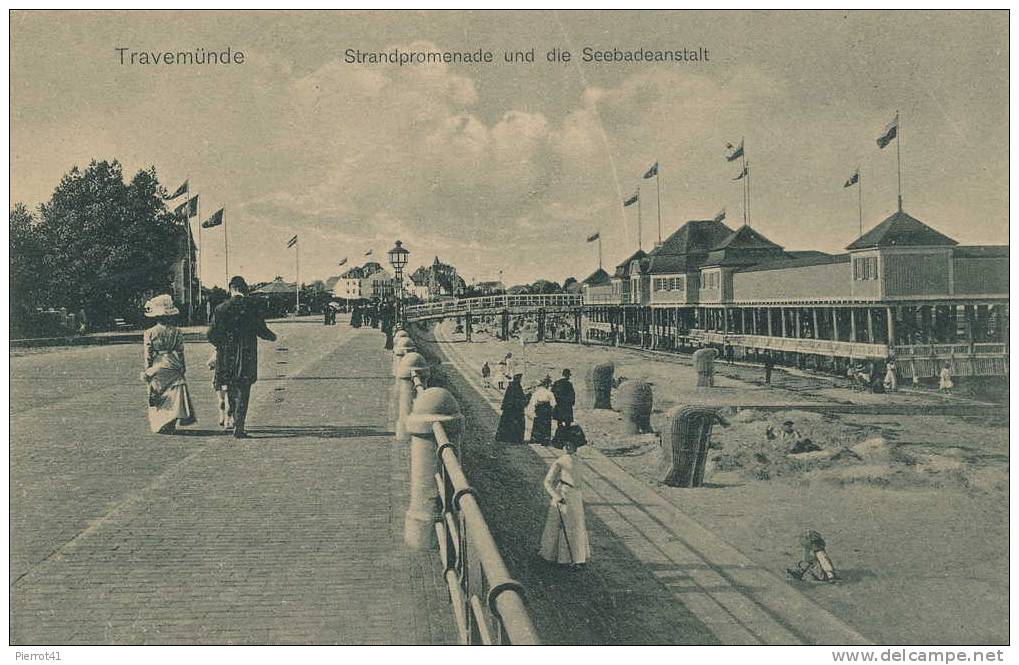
(169, 400)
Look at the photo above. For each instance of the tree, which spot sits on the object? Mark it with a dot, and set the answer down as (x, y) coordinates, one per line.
(544, 286)
(28, 272)
(108, 243)
(570, 285)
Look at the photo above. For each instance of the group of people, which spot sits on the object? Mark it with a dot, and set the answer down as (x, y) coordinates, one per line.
(237, 325)
(564, 538)
(373, 314)
(545, 402)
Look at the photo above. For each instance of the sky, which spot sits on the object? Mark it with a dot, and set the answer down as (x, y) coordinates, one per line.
(510, 167)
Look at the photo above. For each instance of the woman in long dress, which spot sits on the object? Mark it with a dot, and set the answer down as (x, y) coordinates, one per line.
(540, 408)
(564, 539)
(163, 343)
(511, 422)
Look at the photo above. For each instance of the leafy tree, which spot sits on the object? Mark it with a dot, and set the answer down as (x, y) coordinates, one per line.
(544, 286)
(108, 243)
(567, 283)
(28, 273)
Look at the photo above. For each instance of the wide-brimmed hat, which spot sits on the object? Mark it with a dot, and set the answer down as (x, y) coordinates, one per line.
(161, 306)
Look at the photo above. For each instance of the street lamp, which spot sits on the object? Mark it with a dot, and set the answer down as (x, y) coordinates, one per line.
(398, 259)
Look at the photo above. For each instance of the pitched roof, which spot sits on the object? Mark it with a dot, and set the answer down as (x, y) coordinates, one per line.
(901, 230)
(746, 238)
(597, 278)
(276, 286)
(623, 269)
(697, 235)
(799, 260)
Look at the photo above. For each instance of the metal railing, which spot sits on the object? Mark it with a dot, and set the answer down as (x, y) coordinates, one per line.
(488, 604)
(459, 306)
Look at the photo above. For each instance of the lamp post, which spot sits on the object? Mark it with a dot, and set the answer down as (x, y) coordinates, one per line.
(398, 259)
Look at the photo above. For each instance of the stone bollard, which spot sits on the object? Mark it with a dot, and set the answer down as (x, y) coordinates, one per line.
(685, 445)
(410, 364)
(704, 363)
(599, 384)
(434, 405)
(401, 348)
(634, 400)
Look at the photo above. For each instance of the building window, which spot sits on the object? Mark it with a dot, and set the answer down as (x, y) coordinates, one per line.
(865, 268)
(710, 280)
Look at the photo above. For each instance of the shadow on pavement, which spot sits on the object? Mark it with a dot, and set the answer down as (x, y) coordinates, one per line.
(316, 432)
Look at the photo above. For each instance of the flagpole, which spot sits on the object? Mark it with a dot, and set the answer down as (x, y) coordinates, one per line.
(226, 255)
(201, 247)
(640, 233)
(859, 187)
(898, 156)
(743, 185)
(599, 250)
(297, 248)
(658, 186)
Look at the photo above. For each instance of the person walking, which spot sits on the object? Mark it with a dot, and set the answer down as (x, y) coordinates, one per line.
(945, 383)
(163, 346)
(511, 422)
(565, 540)
(540, 408)
(565, 397)
(486, 375)
(891, 381)
(237, 324)
(769, 366)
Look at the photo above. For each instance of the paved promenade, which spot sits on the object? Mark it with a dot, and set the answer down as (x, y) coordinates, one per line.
(294, 536)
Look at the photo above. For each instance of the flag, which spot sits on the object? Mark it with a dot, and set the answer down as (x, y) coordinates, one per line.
(183, 189)
(891, 131)
(720, 216)
(633, 199)
(368, 253)
(342, 261)
(736, 153)
(743, 173)
(215, 220)
(593, 237)
(187, 210)
(291, 242)
(652, 172)
(853, 179)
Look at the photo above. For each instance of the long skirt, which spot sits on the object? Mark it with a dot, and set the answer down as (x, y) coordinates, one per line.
(565, 539)
(169, 399)
(541, 426)
(511, 427)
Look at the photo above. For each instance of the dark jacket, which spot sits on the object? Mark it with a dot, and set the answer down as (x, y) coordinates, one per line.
(236, 326)
(565, 398)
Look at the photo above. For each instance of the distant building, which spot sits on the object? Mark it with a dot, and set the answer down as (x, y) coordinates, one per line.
(364, 282)
(490, 288)
(440, 279)
(901, 289)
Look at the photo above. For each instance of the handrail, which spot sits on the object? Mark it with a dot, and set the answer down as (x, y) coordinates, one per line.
(483, 303)
(488, 604)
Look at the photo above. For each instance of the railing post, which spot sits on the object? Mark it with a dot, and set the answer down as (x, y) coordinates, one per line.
(401, 347)
(411, 364)
(433, 405)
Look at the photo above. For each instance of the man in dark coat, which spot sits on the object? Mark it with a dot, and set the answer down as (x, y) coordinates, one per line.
(769, 365)
(565, 398)
(511, 423)
(236, 326)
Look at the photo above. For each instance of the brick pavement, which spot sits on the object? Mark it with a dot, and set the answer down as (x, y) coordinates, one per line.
(291, 537)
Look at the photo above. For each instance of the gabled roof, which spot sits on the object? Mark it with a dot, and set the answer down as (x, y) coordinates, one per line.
(597, 278)
(666, 264)
(746, 238)
(697, 235)
(353, 273)
(901, 230)
(623, 269)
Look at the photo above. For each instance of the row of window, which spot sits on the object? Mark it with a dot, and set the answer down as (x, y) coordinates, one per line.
(668, 284)
(865, 268)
